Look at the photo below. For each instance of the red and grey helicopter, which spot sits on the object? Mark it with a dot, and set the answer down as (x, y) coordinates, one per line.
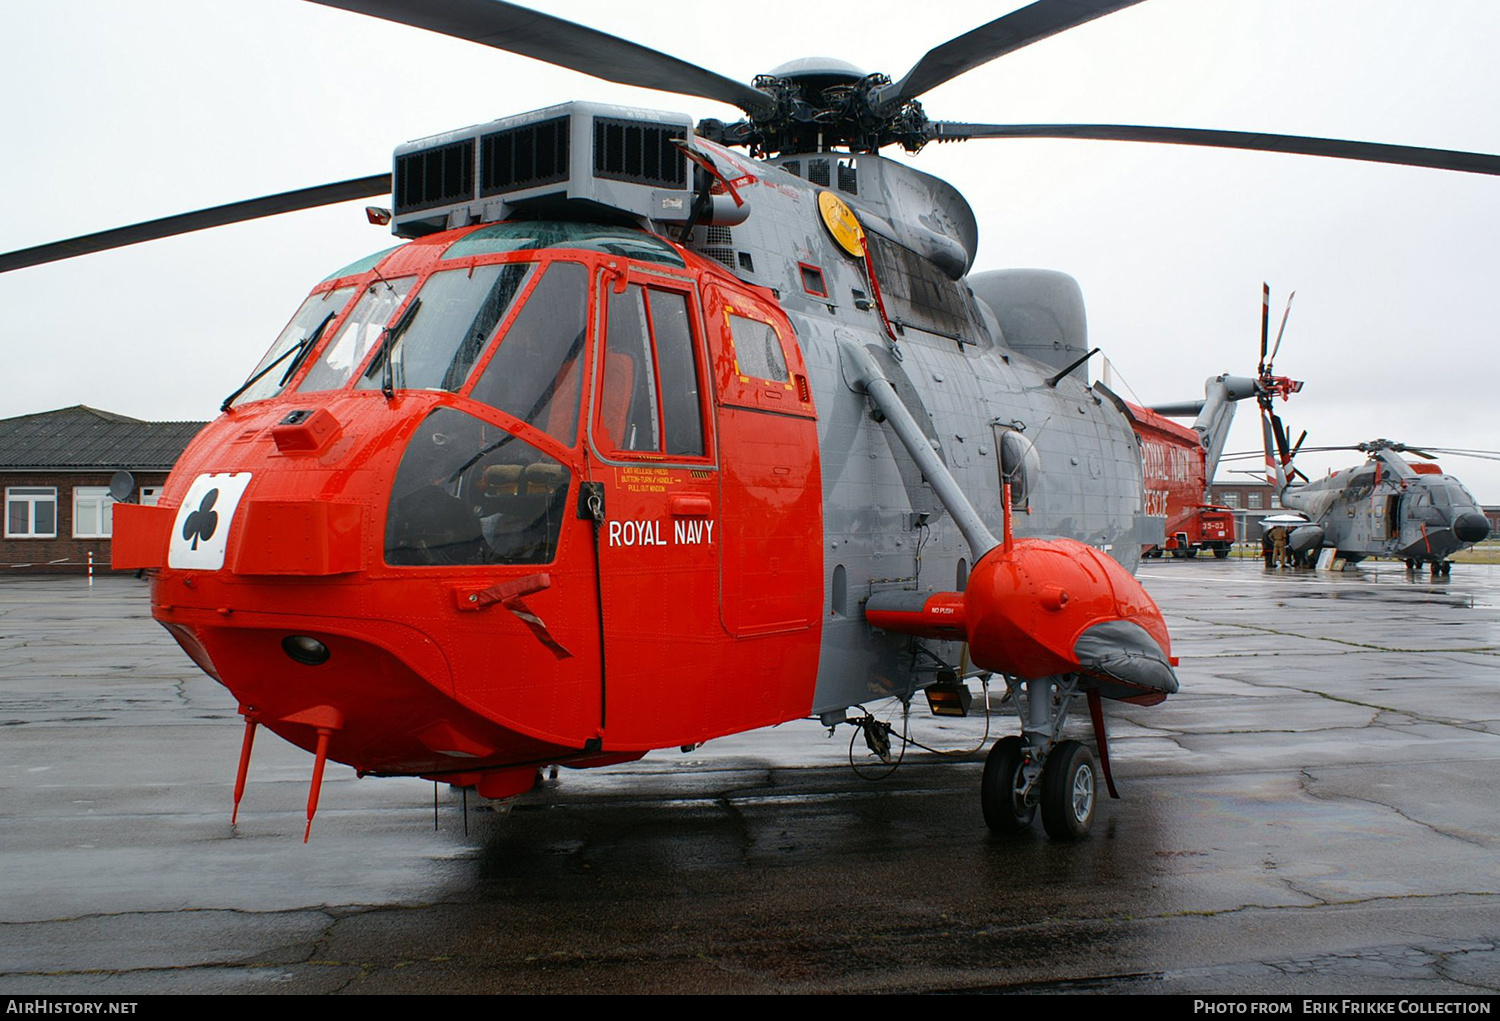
(1180, 463)
(650, 432)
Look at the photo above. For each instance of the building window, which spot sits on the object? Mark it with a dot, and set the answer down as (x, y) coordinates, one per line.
(150, 495)
(1231, 499)
(1253, 501)
(31, 513)
(93, 516)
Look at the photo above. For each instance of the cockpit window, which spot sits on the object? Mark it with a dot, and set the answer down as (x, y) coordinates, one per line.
(281, 362)
(360, 332)
(536, 374)
(458, 315)
(361, 267)
(648, 397)
(469, 493)
(529, 236)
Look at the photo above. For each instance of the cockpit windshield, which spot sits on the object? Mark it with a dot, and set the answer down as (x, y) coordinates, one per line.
(536, 374)
(281, 362)
(459, 312)
(360, 332)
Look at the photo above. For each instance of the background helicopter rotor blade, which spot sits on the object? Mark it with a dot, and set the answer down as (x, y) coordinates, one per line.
(1487, 455)
(506, 26)
(1282, 447)
(184, 223)
(979, 46)
(1304, 145)
(1280, 332)
(1265, 326)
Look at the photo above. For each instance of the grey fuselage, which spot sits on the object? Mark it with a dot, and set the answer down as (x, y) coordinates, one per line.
(1386, 508)
(951, 365)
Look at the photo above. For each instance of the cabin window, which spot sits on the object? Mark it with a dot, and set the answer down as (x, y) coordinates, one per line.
(757, 349)
(459, 312)
(648, 398)
(812, 280)
(536, 373)
(470, 493)
(359, 334)
(281, 362)
(31, 512)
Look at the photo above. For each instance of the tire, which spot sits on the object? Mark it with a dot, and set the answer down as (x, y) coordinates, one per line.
(1070, 791)
(1004, 811)
(1221, 553)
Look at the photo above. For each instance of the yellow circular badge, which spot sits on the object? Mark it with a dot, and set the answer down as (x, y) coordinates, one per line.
(842, 223)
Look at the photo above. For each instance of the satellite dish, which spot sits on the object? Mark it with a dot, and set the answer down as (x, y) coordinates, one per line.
(122, 486)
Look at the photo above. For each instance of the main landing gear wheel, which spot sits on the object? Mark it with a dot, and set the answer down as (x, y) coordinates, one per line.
(1005, 808)
(1069, 791)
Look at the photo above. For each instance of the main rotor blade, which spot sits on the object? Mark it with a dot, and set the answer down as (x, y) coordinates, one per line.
(1304, 145)
(1483, 455)
(1281, 332)
(1265, 325)
(506, 26)
(1004, 35)
(184, 223)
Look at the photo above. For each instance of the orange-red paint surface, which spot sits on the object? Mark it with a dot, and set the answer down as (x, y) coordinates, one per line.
(702, 578)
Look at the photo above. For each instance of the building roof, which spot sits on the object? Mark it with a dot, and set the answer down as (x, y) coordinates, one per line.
(80, 437)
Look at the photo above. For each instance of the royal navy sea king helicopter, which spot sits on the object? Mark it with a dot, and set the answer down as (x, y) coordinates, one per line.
(637, 440)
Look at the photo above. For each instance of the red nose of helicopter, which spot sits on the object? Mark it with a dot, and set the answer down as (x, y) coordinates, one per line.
(385, 555)
(1042, 607)
(318, 586)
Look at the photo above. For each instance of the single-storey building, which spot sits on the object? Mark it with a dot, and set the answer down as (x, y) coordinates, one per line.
(55, 472)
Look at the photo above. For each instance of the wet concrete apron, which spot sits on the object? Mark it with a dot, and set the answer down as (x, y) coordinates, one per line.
(1316, 812)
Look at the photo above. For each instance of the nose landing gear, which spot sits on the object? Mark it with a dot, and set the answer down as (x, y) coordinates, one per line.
(1035, 770)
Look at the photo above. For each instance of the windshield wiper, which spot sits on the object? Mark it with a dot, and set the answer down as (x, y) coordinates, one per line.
(301, 348)
(307, 346)
(388, 340)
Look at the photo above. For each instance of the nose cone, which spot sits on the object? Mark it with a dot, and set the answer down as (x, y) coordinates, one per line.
(1471, 526)
(1055, 606)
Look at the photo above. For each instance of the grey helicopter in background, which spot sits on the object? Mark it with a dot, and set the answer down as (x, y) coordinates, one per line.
(1386, 507)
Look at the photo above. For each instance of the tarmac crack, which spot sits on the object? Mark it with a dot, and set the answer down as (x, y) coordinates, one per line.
(1442, 965)
(1369, 646)
(1324, 903)
(1305, 784)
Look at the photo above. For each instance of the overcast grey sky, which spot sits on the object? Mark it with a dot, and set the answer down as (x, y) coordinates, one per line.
(120, 112)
